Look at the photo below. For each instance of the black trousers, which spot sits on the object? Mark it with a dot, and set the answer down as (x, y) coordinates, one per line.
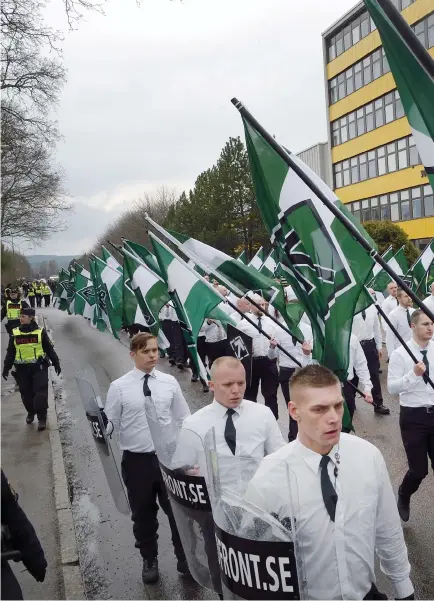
(172, 331)
(32, 381)
(370, 349)
(47, 299)
(214, 350)
(142, 477)
(417, 432)
(201, 349)
(285, 374)
(32, 300)
(264, 371)
(38, 299)
(350, 395)
(10, 587)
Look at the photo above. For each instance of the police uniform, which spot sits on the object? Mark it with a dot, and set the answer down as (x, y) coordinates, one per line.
(416, 419)
(31, 295)
(30, 350)
(18, 535)
(125, 412)
(12, 310)
(46, 293)
(38, 294)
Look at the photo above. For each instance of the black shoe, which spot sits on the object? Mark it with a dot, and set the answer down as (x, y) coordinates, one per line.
(403, 508)
(381, 409)
(42, 424)
(194, 378)
(180, 365)
(150, 570)
(30, 418)
(172, 361)
(205, 388)
(182, 567)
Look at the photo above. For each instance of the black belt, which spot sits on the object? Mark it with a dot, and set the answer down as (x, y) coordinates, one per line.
(261, 357)
(362, 342)
(428, 409)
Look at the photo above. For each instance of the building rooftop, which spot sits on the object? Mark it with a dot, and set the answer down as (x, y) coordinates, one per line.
(343, 20)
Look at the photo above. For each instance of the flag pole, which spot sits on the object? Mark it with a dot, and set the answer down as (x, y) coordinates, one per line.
(220, 295)
(401, 340)
(287, 157)
(222, 278)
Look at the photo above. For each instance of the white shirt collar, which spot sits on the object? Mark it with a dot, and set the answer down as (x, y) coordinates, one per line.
(311, 458)
(222, 410)
(139, 374)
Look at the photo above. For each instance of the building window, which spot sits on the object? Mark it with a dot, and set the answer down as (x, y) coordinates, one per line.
(355, 30)
(377, 162)
(370, 116)
(404, 205)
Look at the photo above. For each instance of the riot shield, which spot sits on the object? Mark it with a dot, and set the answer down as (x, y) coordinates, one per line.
(182, 462)
(256, 535)
(107, 447)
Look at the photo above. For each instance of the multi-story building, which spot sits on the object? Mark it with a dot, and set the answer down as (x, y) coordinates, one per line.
(376, 169)
(317, 157)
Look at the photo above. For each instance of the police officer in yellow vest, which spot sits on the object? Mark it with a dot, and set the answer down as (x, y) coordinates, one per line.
(46, 293)
(31, 295)
(31, 350)
(38, 293)
(12, 309)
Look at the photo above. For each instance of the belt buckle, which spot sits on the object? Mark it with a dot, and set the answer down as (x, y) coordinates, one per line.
(430, 409)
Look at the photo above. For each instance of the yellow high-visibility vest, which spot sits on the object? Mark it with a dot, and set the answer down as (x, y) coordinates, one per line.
(13, 309)
(28, 346)
(46, 290)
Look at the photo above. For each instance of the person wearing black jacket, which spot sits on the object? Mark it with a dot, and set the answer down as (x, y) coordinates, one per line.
(11, 308)
(18, 535)
(31, 350)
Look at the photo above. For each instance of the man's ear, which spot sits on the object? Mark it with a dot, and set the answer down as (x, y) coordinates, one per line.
(293, 411)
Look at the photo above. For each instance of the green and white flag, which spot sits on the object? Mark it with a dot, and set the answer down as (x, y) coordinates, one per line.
(270, 265)
(62, 287)
(324, 264)
(84, 298)
(237, 277)
(192, 299)
(109, 293)
(242, 257)
(413, 71)
(144, 254)
(150, 290)
(421, 270)
(382, 278)
(100, 317)
(388, 254)
(258, 259)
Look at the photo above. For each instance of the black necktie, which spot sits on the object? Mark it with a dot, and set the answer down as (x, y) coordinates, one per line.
(328, 492)
(230, 432)
(408, 317)
(425, 360)
(294, 340)
(260, 323)
(364, 314)
(146, 389)
(397, 302)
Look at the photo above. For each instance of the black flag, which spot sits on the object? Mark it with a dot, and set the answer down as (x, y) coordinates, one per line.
(240, 345)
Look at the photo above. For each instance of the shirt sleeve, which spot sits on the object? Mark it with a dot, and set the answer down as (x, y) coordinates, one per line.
(274, 440)
(389, 538)
(398, 378)
(377, 334)
(113, 406)
(180, 409)
(361, 368)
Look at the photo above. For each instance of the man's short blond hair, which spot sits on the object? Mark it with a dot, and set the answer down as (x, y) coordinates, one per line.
(313, 376)
(225, 362)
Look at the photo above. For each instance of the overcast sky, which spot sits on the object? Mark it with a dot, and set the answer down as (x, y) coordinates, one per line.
(147, 101)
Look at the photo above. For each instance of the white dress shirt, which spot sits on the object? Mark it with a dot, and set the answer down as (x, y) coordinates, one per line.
(286, 342)
(236, 317)
(257, 435)
(168, 312)
(359, 364)
(338, 557)
(401, 379)
(398, 318)
(368, 328)
(125, 407)
(429, 302)
(214, 331)
(261, 344)
(390, 303)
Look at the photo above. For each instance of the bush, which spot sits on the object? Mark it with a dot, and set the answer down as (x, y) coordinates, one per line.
(387, 233)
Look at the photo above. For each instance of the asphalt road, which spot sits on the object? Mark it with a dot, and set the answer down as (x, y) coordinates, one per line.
(111, 564)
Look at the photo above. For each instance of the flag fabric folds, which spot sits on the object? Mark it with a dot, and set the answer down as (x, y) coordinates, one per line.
(423, 270)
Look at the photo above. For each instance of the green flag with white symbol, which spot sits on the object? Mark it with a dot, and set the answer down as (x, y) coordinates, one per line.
(422, 270)
(324, 264)
(84, 297)
(413, 71)
(270, 265)
(258, 259)
(381, 278)
(109, 293)
(61, 291)
(100, 318)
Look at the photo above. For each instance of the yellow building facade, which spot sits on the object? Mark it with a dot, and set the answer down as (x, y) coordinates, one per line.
(376, 169)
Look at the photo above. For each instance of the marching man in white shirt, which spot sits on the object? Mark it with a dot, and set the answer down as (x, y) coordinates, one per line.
(400, 319)
(366, 327)
(125, 411)
(429, 301)
(359, 365)
(416, 398)
(346, 510)
(264, 369)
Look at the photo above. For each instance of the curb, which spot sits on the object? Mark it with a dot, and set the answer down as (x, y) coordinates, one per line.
(71, 572)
